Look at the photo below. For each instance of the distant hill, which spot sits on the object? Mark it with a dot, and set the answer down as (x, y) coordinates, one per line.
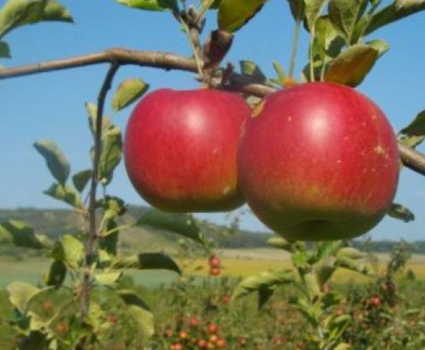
(55, 222)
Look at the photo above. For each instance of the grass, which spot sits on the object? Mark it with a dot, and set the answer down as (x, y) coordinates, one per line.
(235, 263)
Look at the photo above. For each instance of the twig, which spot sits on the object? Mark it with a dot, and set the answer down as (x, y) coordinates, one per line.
(295, 41)
(412, 159)
(92, 234)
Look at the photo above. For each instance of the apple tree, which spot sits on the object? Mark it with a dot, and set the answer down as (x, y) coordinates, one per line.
(340, 55)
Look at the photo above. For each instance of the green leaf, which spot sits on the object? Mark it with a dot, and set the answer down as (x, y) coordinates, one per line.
(264, 294)
(327, 44)
(69, 250)
(146, 261)
(56, 274)
(417, 126)
(397, 10)
(54, 296)
(355, 265)
(108, 277)
(183, 224)
(250, 68)
(96, 319)
(312, 283)
(151, 5)
(297, 8)
(113, 208)
(109, 241)
(20, 293)
(4, 50)
(343, 346)
(234, 14)
(35, 340)
(327, 41)
(81, 179)
(312, 11)
(301, 259)
(324, 270)
(104, 258)
(16, 13)
(266, 279)
(397, 211)
(380, 45)
(351, 253)
(352, 65)
(306, 309)
(139, 311)
(281, 76)
(345, 14)
(413, 134)
(65, 194)
(280, 243)
(56, 161)
(215, 4)
(127, 92)
(111, 154)
(326, 249)
(91, 110)
(22, 235)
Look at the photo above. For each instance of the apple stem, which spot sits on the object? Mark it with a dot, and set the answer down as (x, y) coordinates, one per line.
(91, 214)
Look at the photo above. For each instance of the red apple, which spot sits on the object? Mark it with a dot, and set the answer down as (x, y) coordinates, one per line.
(180, 149)
(212, 328)
(318, 161)
(202, 343)
(214, 261)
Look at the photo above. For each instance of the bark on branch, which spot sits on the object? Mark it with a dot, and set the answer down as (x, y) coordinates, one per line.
(412, 159)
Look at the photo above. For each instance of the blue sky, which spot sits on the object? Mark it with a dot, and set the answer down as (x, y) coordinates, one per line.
(51, 105)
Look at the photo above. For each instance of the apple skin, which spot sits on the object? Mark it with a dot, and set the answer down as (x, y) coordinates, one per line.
(180, 149)
(318, 161)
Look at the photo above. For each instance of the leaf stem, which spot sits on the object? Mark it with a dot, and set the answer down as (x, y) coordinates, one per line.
(192, 34)
(92, 232)
(206, 4)
(311, 58)
(295, 41)
(118, 228)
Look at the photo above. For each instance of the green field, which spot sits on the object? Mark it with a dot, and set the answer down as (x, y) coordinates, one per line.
(31, 271)
(235, 263)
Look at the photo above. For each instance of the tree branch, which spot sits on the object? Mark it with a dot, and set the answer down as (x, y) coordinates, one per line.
(411, 159)
(92, 234)
(162, 60)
